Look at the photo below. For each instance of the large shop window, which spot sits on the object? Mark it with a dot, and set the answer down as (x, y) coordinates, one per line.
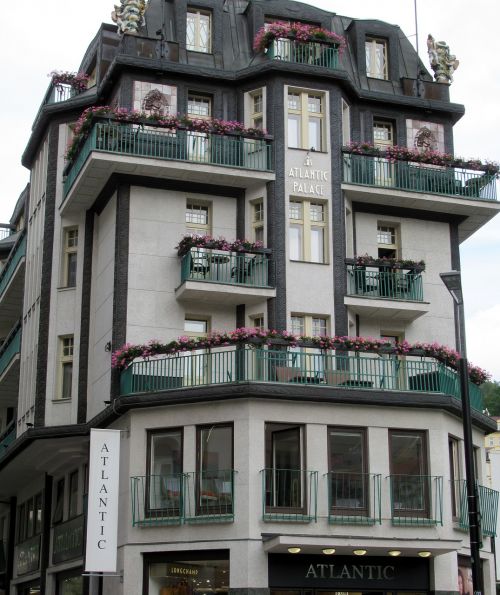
(284, 473)
(410, 483)
(165, 472)
(187, 573)
(348, 471)
(214, 470)
(306, 120)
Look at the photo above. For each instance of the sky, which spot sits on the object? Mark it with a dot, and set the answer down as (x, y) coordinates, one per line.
(53, 35)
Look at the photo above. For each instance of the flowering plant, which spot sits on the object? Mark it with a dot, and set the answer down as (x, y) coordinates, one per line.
(76, 80)
(120, 114)
(299, 31)
(395, 263)
(206, 241)
(398, 153)
(124, 356)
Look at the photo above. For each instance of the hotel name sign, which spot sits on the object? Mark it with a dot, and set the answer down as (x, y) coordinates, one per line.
(306, 180)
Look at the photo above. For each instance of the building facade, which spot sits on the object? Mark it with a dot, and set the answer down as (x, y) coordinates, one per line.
(262, 166)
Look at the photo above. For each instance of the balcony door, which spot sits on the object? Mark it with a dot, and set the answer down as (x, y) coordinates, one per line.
(383, 137)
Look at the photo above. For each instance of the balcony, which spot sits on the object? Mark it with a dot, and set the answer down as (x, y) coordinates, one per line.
(311, 53)
(416, 500)
(145, 150)
(382, 292)
(487, 508)
(7, 438)
(289, 495)
(225, 277)
(9, 367)
(354, 498)
(12, 283)
(195, 497)
(340, 370)
(462, 192)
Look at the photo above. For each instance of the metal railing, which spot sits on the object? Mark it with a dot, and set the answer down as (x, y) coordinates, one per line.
(289, 495)
(17, 253)
(216, 266)
(354, 498)
(416, 499)
(182, 145)
(5, 231)
(7, 438)
(61, 92)
(487, 505)
(195, 497)
(418, 177)
(393, 285)
(224, 365)
(304, 52)
(10, 347)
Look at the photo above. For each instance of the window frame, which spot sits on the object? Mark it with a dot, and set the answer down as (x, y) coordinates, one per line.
(64, 361)
(456, 476)
(303, 116)
(197, 13)
(70, 257)
(26, 528)
(346, 122)
(195, 228)
(372, 70)
(258, 219)
(306, 225)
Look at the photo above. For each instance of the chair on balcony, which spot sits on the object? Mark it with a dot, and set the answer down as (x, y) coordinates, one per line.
(200, 265)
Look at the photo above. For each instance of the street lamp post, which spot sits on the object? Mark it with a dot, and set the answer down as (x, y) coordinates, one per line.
(453, 283)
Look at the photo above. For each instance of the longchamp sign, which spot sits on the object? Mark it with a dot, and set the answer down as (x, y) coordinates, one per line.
(102, 518)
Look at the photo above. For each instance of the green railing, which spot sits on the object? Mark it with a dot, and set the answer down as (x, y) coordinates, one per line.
(182, 145)
(418, 177)
(487, 507)
(304, 52)
(416, 499)
(209, 496)
(17, 253)
(289, 495)
(196, 497)
(216, 266)
(157, 499)
(354, 498)
(10, 347)
(7, 438)
(226, 365)
(393, 285)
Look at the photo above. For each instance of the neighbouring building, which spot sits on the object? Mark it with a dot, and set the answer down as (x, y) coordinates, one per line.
(217, 179)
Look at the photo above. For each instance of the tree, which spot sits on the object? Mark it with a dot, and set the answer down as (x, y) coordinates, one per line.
(491, 396)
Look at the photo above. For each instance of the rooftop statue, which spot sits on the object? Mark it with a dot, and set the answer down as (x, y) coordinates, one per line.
(129, 16)
(442, 62)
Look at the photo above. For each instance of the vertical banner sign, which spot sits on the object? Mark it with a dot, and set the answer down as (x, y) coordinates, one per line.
(102, 516)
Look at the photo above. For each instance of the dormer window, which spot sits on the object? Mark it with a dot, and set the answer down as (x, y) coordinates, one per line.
(198, 31)
(376, 58)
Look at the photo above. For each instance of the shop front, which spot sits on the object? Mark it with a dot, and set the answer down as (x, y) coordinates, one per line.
(187, 573)
(347, 575)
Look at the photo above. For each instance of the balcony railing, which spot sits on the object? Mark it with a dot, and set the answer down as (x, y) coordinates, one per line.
(7, 438)
(182, 145)
(196, 497)
(17, 253)
(417, 177)
(304, 52)
(354, 498)
(225, 267)
(392, 285)
(416, 499)
(227, 365)
(10, 347)
(5, 231)
(289, 495)
(487, 508)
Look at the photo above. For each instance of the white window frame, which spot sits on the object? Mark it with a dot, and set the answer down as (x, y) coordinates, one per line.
(66, 356)
(197, 14)
(371, 53)
(303, 116)
(258, 217)
(346, 123)
(194, 227)
(70, 251)
(306, 224)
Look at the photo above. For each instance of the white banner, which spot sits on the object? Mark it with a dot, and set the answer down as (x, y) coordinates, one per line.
(102, 516)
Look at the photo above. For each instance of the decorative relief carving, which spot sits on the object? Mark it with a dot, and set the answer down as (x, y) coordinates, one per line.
(425, 140)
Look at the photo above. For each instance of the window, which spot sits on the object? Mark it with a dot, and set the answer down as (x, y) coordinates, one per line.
(387, 241)
(307, 230)
(308, 360)
(199, 107)
(348, 467)
(346, 123)
(383, 134)
(376, 58)
(70, 257)
(409, 480)
(197, 218)
(29, 518)
(305, 120)
(73, 495)
(258, 220)
(285, 476)
(198, 31)
(164, 485)
(58, 514)
(257, 321)
(195, 369)
(257, 109)
(455, 474)
(214, 485)
(66, 367)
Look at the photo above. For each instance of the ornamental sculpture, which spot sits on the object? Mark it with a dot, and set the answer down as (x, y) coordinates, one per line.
(442, 62)
(129, 16)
